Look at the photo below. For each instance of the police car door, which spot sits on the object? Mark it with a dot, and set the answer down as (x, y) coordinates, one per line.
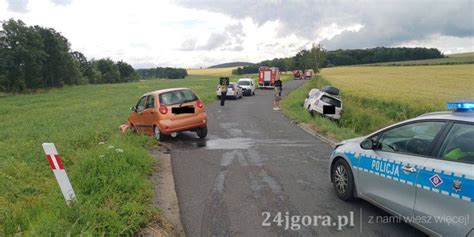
(445, 186)
(387, 174)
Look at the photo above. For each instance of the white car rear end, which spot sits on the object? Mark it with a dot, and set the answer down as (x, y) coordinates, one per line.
(233, 90)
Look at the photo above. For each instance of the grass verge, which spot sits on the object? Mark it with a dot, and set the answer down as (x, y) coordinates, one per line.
(111, 180)
(375, 97)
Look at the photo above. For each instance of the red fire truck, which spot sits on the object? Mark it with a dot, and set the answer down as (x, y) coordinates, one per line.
(267, 77)
(297, 74)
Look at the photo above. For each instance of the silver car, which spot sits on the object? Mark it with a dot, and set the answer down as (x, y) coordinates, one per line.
(234, 91)
(421, 170)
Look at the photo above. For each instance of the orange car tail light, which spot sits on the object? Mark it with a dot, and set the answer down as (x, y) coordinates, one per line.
(199, 104)
(163, 109)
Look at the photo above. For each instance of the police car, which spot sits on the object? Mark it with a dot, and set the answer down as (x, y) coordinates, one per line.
(421, 169)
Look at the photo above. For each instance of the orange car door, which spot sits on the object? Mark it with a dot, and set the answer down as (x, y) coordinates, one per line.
(138, 121)
(149, 114)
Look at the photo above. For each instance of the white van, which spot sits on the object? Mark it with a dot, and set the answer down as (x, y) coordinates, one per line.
(248, 86)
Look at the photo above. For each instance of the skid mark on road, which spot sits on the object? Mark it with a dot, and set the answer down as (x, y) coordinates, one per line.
(269, 197)
(215, 221)
(246, 143)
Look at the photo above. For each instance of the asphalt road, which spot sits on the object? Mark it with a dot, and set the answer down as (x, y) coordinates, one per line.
(254, 161)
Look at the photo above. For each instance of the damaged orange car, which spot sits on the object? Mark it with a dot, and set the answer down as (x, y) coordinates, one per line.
(168, 112)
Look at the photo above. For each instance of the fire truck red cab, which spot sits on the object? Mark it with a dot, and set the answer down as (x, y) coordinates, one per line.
(297, 74)
(267, 77)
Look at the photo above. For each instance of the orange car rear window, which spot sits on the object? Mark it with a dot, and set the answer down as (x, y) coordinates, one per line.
(177, 97)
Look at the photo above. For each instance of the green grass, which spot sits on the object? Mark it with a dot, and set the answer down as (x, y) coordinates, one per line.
(375, 97)
(462, 58)
(112, 187)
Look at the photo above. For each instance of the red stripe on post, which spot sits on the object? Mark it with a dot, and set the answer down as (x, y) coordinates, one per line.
(60, 163)
(50, 160)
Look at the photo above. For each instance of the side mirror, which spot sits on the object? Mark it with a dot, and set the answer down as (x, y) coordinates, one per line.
(367, 144)
(133, 108)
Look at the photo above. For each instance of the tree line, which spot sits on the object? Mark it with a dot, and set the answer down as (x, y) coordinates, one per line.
(33, 57)
(162, 72)
(316, 58)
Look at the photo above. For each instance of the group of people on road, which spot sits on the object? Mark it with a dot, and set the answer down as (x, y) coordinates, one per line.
(224, 82)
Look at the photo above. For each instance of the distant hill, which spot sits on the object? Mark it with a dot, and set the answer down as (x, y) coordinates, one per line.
(459, 55)
(232, 64)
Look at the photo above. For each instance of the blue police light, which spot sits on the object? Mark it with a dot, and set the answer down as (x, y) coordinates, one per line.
(461, 106)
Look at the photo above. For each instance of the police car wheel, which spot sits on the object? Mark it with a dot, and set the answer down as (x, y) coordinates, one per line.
(343, 180)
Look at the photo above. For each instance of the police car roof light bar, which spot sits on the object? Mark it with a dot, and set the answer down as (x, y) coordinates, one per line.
(461, 106)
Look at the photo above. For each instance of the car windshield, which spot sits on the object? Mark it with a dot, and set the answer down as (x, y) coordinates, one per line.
(244, 83)
(331, 101)
(177, 97)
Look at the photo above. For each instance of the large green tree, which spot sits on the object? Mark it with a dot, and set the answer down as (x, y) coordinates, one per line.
(38, 57)
(59, 67)
(108, 69)
(127, 73)
(22, 55)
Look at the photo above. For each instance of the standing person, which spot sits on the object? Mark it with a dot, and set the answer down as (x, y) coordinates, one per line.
(279, 85)
(278, 88)
(223, 83)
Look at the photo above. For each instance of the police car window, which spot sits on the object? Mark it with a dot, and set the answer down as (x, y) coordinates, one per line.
(141, 103)
(414, 138)
(150, 102)
(459, 144)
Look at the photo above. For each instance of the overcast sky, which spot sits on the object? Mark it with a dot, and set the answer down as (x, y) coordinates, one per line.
(148, 33)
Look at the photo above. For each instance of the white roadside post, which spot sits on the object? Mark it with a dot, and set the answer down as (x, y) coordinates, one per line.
(59, 172)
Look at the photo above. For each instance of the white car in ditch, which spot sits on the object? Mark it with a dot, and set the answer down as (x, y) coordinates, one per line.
(325, 102)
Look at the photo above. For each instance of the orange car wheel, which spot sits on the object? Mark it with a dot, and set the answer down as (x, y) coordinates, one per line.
(202, 132)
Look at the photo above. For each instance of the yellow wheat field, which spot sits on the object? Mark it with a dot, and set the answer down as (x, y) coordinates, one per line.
(227, 71)
(415, 85)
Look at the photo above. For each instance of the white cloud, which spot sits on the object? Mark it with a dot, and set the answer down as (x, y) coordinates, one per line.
(448, 44)
(162, 33)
